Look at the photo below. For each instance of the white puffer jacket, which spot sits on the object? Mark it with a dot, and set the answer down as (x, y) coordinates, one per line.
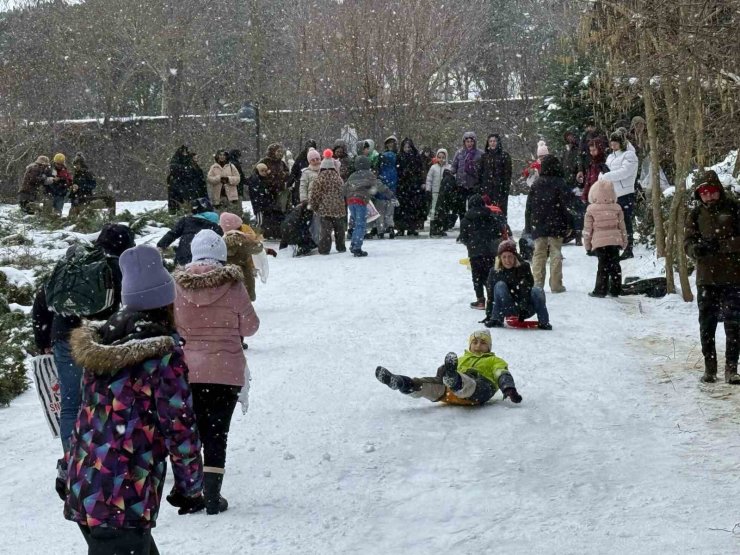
(623, 168)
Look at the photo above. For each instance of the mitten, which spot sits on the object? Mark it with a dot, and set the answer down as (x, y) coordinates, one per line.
(512, 394)
(271, 252)
(493, 324)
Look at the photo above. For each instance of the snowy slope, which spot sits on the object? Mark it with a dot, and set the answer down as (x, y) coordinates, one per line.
(615, 448)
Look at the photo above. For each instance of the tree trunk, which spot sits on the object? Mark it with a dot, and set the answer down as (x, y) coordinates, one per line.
(656, 192)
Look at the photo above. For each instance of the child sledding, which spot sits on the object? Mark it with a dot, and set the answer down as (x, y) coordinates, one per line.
(472, 380)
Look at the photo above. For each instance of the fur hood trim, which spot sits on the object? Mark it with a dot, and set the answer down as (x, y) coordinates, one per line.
(101, 359)
(238, 238)
(214, 278)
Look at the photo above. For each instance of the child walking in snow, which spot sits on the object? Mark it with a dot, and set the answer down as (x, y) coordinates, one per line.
(472, 380)
(604, 233)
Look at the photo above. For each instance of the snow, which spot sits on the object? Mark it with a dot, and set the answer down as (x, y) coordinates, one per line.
(616, 447)
(18, 277)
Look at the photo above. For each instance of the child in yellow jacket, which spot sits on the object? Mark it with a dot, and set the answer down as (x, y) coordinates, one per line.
(472, 380)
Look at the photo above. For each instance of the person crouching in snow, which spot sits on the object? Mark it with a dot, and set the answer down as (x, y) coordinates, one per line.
(137, 408)
(472, 380)
(213, 312)
(604, 233)
(511, 290)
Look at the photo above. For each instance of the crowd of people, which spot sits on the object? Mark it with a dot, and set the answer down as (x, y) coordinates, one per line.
(163, 369)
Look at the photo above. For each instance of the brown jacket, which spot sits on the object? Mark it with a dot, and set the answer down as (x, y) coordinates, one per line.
(240, 247)
(713, 240)
(34, 177)
(327, 195)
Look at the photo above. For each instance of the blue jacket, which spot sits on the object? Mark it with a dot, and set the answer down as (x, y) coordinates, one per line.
(388, 169)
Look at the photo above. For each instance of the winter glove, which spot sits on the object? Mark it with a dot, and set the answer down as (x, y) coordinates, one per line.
(703, 247)
(60, 484)
(511, 393)
(590, 253)
(186, 505)
(224, 180)
(271, 252)
(493, 324)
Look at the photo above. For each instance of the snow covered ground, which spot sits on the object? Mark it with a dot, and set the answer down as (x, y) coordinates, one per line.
(616, 447)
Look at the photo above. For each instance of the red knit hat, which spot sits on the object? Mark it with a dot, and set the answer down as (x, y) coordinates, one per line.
(328, 153)
(506, 246)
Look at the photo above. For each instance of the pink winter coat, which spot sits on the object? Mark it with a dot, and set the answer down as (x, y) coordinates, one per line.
(212, 313)
(604, 222)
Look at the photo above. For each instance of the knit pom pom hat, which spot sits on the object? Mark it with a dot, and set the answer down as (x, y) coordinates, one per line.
(313, 154)
(328, 153)
(481, 335)
(506, 246)
(542, 149)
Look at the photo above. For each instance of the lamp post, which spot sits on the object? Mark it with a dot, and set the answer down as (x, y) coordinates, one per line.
(251, 112)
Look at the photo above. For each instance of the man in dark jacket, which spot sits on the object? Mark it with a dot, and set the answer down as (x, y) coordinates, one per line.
(495, 173)
(481, 231)
(235, 159)
(547, 219)
(185, 180)
(203, 217)
(571, 160)
(52, 331)
(36, 176)
(713, 240)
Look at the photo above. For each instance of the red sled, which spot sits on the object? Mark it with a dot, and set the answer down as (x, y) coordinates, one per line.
(515, 322)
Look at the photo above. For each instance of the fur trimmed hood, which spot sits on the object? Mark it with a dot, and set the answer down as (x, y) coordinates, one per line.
(91, 354)
(203, 284)
(238, 239)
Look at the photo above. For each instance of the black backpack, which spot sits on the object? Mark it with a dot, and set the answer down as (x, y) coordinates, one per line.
(82, 283)
(651, 287)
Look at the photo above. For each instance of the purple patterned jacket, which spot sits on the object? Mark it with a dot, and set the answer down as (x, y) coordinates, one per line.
(136, 410)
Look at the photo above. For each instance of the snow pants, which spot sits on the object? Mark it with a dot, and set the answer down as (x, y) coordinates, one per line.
(545, 247)
(719, 302)
(609, 273)
(627, 202)
(102, 540)
(480, 266)
(386, 210)
(213, 405)
(503, 303)
(476, 390)
(338, 226)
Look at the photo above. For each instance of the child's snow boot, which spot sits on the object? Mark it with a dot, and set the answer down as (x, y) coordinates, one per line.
(212, 481)
(383, 375)
(391, 233)
(450, 376)
(404, 384)
(359, 253)
(710, 371)
(731, 376)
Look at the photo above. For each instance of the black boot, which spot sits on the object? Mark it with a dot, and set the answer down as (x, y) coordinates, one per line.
(710, 371)
(450, 377)
(212, 492)
(731, 376)
(391, 233)
(627, 253)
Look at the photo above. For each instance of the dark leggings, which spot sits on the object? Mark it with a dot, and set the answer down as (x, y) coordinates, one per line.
(213, 405)
(480, 267)
(119, 541)
(609, 274)
(710, 300)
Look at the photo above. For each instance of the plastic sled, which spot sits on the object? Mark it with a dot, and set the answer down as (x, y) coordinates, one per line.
(515, 322)
(465, 262)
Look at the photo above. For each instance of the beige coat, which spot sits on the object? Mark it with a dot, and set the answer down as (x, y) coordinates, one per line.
(215, 186)
(308, 175)
(604, 222)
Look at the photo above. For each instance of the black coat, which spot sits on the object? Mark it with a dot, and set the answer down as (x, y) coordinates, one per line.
(186, 229)
(495, 174)
(546, 214)
(520, 281)
(85, 182)
(186, 180)
(410, 193)
(481, 231)
(259, 196)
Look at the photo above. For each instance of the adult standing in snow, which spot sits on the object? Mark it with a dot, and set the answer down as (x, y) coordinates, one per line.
(213, 312)
(342, 156)
(277, 199)
(223, 183)
(410, 193)
(185, 180)
(203, 217)
(52, 330)
(623, 167)
(388, 174)
(258, 195)
(465, 168)
(512, 292)
(433, 185)
(327, 200)
(137, 409)
(56, 190)
(546, 219)
(36, 176)
(713, 241)
(235, 158)
(596, 167)
(481, 231)
(367, 148)
(571, 161)
(83, 185)
(591, 133)
(495, 173)
(296, 171)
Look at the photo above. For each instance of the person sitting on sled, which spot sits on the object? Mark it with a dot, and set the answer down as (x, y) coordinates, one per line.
(472, 380)
(511, 290)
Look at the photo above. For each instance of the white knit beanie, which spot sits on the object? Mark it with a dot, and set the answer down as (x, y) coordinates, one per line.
(207, 245)
(542, 149)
